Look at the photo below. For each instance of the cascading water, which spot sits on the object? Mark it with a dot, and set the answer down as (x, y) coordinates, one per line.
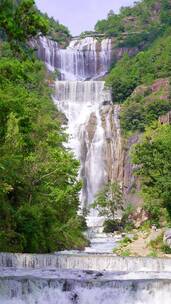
(94, 136)
(84, 104)
(133, 280)
(81, 102)
(86, 58)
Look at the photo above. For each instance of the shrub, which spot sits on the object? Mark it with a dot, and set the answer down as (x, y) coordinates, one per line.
(112, 225)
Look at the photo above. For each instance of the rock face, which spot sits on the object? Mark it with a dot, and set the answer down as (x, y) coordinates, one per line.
(119, 52)
(163, 85)
(167, 237)
(139, 217)
(113, 148)
(165, 119)
(131, 183)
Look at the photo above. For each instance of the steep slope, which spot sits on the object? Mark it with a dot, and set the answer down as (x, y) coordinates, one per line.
(142, 86)
(137, 25)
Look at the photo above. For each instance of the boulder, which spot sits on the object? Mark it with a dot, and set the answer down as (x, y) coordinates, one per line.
(139, 217)
(167, 238)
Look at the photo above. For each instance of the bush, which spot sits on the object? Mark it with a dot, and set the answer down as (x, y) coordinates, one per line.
(111, 226)
(139, 112)
(166, 249)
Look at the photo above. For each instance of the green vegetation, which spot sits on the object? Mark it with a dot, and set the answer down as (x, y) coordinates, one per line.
(145, 106)
(109, 201)
(126, 240)
(20, 22)
(57, 31)
(123, 249)
(142, 84)
(158, 245)
(111, 226)
(38, 177)
(137, 25)
(110, 204)
(153, 158)
(144, 68)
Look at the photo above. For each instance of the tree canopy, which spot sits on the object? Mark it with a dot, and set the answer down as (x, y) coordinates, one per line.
(152, 156)
(39, 189)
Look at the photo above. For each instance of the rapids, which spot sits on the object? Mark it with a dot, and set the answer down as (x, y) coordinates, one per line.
(40, 279)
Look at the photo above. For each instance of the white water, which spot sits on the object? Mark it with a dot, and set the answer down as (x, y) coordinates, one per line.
(85, 58)
(82, 102)
(78, 101)
(83, 287)
(83, 261)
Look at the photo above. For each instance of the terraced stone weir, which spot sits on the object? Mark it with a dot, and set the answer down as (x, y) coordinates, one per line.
(42, 279)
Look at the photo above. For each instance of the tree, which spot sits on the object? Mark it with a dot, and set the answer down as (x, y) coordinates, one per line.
(111, 13)
(20, 21)
(39, 189)
(109, 201)
(153, 160)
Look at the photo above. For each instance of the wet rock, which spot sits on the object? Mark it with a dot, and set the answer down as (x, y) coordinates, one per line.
(74, 298)
(91, 127)
(99, 274)
(90, 272)
(167, 238)
(106, 103)
(66, 286)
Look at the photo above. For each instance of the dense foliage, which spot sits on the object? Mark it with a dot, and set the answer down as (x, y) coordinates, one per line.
(38, 177)
(138, 24)
(153, 159)
(144, 68)
(19, 21)
(145, 106)
(57, 31)
(142, 85)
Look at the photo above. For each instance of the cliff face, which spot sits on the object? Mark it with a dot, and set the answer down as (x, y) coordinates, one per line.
(159, 89)
(115, 154)
(119, 51)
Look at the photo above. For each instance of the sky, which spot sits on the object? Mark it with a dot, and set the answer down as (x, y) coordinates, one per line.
(80, 15)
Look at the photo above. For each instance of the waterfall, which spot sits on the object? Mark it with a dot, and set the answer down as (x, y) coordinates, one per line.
(86, 58)
(94, 136)
(83, 261)
(81, 102)
(81, 288)
(41, 279)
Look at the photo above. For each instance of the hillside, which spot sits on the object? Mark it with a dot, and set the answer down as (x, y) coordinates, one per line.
(57, 31)
(142, 85)
(137, 25)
